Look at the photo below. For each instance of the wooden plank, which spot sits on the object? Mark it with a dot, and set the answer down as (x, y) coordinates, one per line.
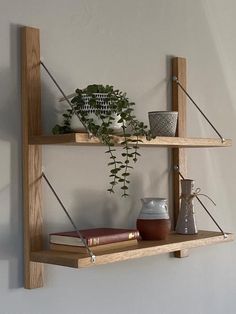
(175, 242)
(32, 155)
(179, 154)
(84, 139)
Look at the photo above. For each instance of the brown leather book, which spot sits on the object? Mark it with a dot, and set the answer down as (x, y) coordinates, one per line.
(93, 237)
(95, 249)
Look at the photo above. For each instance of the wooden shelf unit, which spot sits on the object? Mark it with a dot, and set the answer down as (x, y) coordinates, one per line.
(33, 139)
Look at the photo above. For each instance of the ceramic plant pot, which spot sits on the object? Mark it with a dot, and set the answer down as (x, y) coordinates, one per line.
(101, 99)
(153, 222)
(163, 123)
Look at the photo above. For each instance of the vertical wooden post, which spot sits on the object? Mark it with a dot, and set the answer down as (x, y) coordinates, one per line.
(32, 155)
(179, 154)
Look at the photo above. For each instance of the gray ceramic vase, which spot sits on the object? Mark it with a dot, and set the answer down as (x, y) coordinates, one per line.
(186, 223)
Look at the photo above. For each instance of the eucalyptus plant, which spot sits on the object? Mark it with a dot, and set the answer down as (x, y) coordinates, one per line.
(132, 129)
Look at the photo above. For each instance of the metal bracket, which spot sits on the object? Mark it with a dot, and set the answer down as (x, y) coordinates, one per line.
(93, 257)
(62, 92)
(175, 79)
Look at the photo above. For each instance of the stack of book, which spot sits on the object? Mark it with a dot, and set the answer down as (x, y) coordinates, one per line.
(98, 239)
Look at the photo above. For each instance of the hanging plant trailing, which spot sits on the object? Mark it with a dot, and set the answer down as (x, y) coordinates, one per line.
(108, 105)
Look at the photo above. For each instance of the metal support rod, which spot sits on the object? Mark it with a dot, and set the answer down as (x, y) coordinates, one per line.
(60, 89)
(175, 79)
(55, 82)
(93, 257)
(176, 168)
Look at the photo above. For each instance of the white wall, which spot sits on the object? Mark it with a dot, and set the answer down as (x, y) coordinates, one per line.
(126, 43)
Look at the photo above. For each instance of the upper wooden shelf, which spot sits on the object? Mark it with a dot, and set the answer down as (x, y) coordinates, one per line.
(84, 139)
(174, 243)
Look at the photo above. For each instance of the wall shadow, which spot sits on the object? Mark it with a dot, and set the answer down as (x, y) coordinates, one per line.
(11, 244)
(170, 151)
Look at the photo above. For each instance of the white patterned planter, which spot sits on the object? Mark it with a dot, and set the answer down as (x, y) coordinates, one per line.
(76, 125)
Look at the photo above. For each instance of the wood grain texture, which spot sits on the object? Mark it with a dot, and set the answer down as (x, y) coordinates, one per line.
(32, 155)
(179, 154)
(83, 139)
(175, 242)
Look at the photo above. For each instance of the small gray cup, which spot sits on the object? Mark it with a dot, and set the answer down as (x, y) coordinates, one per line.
(163, 123)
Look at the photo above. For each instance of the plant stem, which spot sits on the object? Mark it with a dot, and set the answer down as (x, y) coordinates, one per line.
(136, 147)
(107, 141)
(126, 160)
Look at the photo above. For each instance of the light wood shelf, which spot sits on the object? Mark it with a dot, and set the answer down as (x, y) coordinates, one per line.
(175, 242)
(84, 139)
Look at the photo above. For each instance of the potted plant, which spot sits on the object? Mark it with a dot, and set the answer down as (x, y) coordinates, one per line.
(97, 107)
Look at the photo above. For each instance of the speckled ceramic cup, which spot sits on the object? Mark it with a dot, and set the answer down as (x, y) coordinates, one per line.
(163, 123)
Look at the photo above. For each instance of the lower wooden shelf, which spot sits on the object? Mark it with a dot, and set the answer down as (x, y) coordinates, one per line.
(175, 242)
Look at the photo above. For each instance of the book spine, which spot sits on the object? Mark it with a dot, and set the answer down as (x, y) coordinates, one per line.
(93, 241)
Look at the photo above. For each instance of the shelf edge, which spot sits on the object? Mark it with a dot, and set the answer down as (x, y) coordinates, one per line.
(84, 139)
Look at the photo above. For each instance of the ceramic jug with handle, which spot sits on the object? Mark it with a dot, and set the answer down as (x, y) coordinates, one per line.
(153, 222)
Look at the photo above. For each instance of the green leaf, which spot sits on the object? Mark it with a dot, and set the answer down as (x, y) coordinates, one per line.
(56, 129)
(110, 190)
(114, 171)
(92, 102)
(110, 150)
(111, 163)
(113, 176)
(113, 183)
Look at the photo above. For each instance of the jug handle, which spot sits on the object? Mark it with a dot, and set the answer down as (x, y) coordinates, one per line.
(166, 207)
